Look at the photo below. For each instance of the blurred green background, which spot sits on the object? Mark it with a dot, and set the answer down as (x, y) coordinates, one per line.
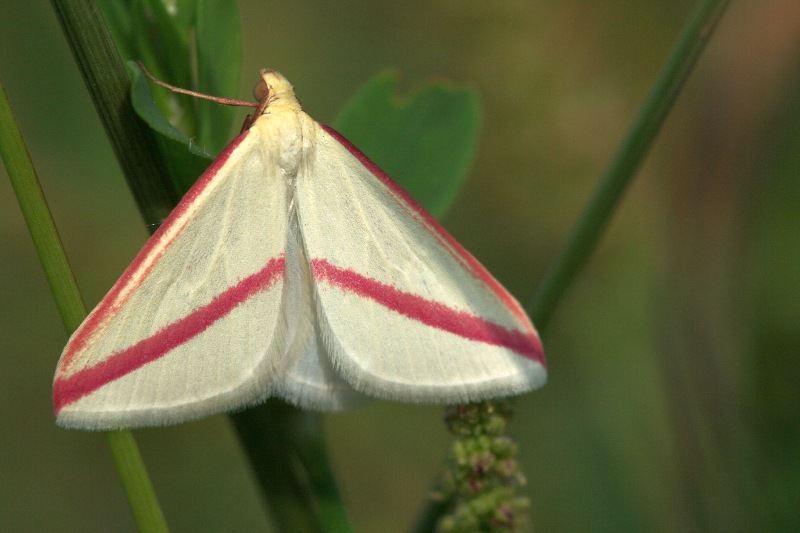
(674, 394)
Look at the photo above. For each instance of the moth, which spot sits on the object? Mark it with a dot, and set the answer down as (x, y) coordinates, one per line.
(295, 268)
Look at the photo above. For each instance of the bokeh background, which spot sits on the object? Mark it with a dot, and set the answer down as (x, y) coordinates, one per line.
(674, 394)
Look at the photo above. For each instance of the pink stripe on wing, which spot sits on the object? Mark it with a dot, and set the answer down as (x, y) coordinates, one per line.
(428, 312)
(155, 245)
(88, 380)
(467, 261)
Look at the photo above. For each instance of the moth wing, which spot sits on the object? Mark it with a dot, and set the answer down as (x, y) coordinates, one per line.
(404, 311)
(308, 378)
(194, 326)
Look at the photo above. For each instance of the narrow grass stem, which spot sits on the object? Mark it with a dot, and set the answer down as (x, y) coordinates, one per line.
(132, 472)
(595, 218)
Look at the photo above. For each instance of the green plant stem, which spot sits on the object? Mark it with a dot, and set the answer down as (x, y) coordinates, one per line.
(37, 217)
(108, 84)
(25, 183)
(287, 452)
(136, 482)
(596, 216)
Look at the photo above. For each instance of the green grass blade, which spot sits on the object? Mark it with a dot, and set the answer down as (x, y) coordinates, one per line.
(25, 183)
(38, 218)
(596, 216)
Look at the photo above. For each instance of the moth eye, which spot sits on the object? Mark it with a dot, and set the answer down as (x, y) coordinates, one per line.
(261, 90)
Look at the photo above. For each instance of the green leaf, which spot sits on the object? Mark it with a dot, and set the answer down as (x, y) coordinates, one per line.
(162, 38)
(166, 41)
(184, 158)
(219, 68)
(163, 45)
(118, 19)
(425, 142)
(159, 37)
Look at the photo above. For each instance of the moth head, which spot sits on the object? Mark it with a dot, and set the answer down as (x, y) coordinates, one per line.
(272, 86)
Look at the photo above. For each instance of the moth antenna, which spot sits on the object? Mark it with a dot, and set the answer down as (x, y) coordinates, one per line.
(218, 99)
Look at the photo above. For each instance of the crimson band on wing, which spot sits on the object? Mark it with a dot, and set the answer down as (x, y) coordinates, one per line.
(446, 241)
(428, 312)
(153, 250)
(88, 380)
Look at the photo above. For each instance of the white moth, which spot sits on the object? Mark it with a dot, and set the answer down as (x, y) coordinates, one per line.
(294, 268)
